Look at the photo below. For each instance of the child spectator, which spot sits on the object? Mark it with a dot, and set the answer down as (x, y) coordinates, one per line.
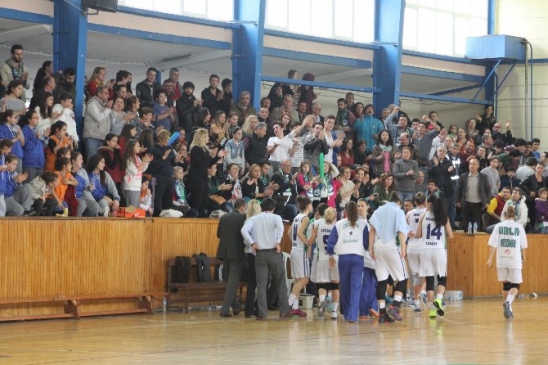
(134, 168)
(17, 197)
(146, 197)
(64, 109)
(104, 190)
(82, 191)
(145, 121)
(57, 139)
(10, 130)
(163, 114)
(129, 131)
(180, 202)
(146, 139)
(541, 207)
(306, 181)
(43, 193)
(110, 151)
(508, 179)
(34, 158)
(65, 189)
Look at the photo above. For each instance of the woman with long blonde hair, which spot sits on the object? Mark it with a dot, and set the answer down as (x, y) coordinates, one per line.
(253, 208)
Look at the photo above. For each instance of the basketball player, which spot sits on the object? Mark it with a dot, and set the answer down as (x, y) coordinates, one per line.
(434, 228)
(300, 264)
(368, 297)
(509, 240)
(414, 250)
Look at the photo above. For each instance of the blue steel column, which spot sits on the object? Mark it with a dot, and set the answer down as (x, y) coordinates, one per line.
(247, 48)
(70, 27)
(490, 85)
(387, 60)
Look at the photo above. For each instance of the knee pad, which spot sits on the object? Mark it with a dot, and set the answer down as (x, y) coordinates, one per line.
(429, 283)
(512, 285)
(390, 281)
(401, 286)
(325, 286)
(334, 286)
(442, 280)
(416, 279)
(506, 286)
(381, 289)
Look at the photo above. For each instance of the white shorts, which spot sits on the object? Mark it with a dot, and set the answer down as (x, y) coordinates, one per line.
(414, 261)
(300, 265)
(389, 263)
(433, 262)
(322, 272)
(511, 275)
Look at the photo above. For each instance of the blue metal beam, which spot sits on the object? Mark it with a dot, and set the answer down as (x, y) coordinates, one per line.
(336, 42)
(491, 16)
(443, 98)
(247, 48)
(70, 35)
(457, 90)
(442, 58)
(411, 70)
(492, 70)
(326, 85)
(25, 16)
(316, 58)
(178, 18)
(389, 33)
(159, 37)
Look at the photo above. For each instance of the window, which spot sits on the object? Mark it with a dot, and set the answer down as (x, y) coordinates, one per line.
(442, 26)
(351, 20)
(208, 9)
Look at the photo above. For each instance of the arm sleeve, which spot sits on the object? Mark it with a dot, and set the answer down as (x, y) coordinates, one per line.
(492, 206)
(279, 229)
(246, 232)
(332, 241)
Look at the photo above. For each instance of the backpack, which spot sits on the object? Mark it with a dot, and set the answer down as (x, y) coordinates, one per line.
(181, 272)
(202, 266)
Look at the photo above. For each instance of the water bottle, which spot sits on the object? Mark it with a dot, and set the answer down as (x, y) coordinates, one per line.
(475, 228)
(164, 305)
(469, 227)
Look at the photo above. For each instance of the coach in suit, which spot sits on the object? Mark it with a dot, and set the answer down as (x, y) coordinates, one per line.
(231, 251)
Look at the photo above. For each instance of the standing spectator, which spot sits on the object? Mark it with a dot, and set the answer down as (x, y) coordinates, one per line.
(333, 139)
(286, 194)
(243, 108)
(366, 126)
(212, 95)
(15, 69)
(231, 251)
(177, 87)
(307, 92)
(82, 191)
(541, 209)
(523, 172)
(118, 117)
(187, 107)
(12, 100)
(276, 97)
(67, 116)
(442, 171)
(98, 80)
(263, 234)
(146, 89)
(225, 102)
(396, 130)
(163, 114)
(473, 194)
(97, 121)
(255, 150)
(493, 176)
(486, 120)
(316, 146)
(279, 147)
(235, 151)
(405, 172)
(45, 70)
(383, 154)
(10, 130)
(161, 168)
(33, 150)
(349, 97)
(286, 107)
(45, 111)
(424, 139)
(384, 188)
(344, 119)
(530, 186)
(315, 112)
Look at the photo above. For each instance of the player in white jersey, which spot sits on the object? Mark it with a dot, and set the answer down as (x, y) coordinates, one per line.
(509, 241)
(433, 228)
(325, 276)
(368, 297)
(414, 250)
(300, 264)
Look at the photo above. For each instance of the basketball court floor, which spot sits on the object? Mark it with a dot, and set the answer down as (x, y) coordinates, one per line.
(472, 332)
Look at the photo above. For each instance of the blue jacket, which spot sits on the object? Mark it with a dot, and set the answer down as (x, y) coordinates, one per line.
(4, 176)
(10, 185)
(34, 150)
(365, 127)
(5, 133)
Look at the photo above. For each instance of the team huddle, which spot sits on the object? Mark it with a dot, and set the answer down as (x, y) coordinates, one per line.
(354, 261)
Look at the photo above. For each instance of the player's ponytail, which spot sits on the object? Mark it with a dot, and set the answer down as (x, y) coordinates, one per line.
(510, 213)
(351, 210)
(438, 210)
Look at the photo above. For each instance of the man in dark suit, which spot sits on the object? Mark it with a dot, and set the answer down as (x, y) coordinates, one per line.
(231, 251)
(473, 194)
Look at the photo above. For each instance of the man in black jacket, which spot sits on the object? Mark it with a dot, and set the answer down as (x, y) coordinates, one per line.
(473, 194)
(286, 194)
(442, 170)
(255, 150)
(231, 251)
(317, 145)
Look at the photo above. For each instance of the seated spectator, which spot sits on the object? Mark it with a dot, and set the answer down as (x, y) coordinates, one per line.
(494, 210)
(250, 124)
(218, 134)
(256, 143)
(405, 171)
(57, 139)
(12, 100)
(45, 111)
(285, 109)
(203, 119)
(82, 191)
(523, 172)
(286, 193)
(383, 189)
(364, 187)
(432, 189)
(530, 187)
(65, 84)
(43, 194)
(180, 202)
(517, 200)
(541, 209)
(118, 117)
(103, 188)
(346, 189)
(307, 183)
(243, 108)
(133, 105)
(508, 179)
(64, 108)
(383, 153)
(17, 197)
(10, 130)
(235, 151)
(347, 154)
(34, 159)
(47, 86)
(65, 191)
(362, 156)
(146, 197)
(113, 161)
(253, 187)
(481, 156)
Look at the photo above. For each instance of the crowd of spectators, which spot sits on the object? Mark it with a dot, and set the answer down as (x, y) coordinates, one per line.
(162, 146)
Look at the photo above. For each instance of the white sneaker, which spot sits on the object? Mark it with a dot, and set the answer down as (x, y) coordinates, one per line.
(334, 315)
(106, 211)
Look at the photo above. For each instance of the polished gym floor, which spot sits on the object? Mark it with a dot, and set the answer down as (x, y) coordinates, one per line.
(471, 332)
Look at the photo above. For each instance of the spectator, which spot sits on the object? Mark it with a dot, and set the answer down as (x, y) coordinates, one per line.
(530, 187)
(45, 111)
(12, 100)
(499, 135)
(486, 120)
(362, 156)
(34, 159)
(307, 183)
(367, 127)
(276, 97)
(161, 168)
(252, 185)
(396, 130)
(509, 180)
(442, 171)
(286, 193)
(315, 112)
(472, 194)
(57, 139)
(243, 108)
(347, 188)
(494, 210)
(347, 153)
(17, 197)
(255, 149)
(333, 139)
(249, 125)
(384, 188)
(420, 186)
(128, 132)
(424, 139)
(405, 171)
(363, 187)
(146, 89)
(187, 107)
(517, 201)
(235, 151)
(528, 169)
(122, 84)
(493, 177)
(97, 121)
(212, 95)
(104, 190)
(82, 191)
(65, 190)
(349, 97)
(383, 154)
(179, 201)
(177, 87)
(285, 108)
(405, 141)
(279, 147)
(15, 69)
(344, 119)
(218, 134)
(48, 86)
(203, 119)
(110, 151)
(119, 118)
(307, 92)
(67, 116)
(541, 209)
(10, 130)
(42, 192)
(301, 110)
(98, 80)
(230, 196)
(226, 102)
(163, 114)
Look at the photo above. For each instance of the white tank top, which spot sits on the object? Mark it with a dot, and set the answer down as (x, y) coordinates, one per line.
(432, 236)
(322, 235)
(297, 243)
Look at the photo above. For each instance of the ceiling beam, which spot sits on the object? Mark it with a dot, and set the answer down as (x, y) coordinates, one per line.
(192, 59)
(20, 33)
(345, 75)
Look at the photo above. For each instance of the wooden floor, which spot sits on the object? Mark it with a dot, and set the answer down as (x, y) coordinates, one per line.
(472, 332)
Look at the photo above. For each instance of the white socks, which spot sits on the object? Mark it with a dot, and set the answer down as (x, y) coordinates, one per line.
(291, 299)
(439, 296)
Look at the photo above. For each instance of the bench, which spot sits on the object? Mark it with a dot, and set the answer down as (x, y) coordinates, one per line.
(72, 305)
(201, 291)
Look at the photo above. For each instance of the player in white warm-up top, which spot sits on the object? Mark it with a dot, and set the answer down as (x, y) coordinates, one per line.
(509, 241)
(414, 250)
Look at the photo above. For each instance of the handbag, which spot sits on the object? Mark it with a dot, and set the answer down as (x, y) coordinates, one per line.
(218, 199)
